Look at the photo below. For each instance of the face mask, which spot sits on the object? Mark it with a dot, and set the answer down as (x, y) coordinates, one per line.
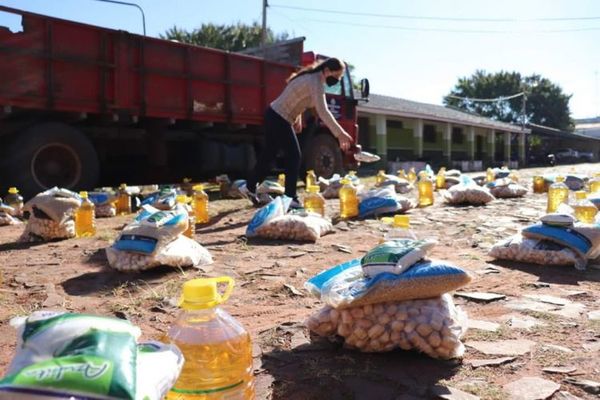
(331, 80)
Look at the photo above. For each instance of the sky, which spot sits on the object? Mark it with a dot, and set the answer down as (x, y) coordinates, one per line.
(418, 58)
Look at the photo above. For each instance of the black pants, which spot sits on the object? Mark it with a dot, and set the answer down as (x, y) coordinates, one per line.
(279, 135)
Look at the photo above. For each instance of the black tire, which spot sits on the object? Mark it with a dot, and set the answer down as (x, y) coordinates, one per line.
(324, 156)
(51, 154)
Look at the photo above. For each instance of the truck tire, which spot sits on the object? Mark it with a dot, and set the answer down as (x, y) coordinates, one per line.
(324, 156)
(51, 154)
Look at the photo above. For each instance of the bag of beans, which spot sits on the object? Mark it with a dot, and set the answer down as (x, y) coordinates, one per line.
(505, 188)
(433, 326)
(346, 285)
(542, 252)
(51, 215)
(382, 201)
(276, 208)
(299, 226)
(467, 192)
(395, 256)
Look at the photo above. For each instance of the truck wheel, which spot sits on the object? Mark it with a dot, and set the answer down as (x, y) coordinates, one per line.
(51, 154)
(324, 156)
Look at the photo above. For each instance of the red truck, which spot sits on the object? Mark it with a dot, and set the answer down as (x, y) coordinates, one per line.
(82, 106)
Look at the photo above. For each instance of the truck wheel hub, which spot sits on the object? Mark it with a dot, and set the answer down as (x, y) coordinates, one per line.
(56, 164)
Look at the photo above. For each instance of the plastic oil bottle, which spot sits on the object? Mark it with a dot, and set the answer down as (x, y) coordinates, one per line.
(123, 200)
(380, 178)
(585, 210)
(558, 193)
(513, 176)
(311, 178)
(14, 200)
(348, 200)
(539, 184)
(594, 183)
(85, 217)
(490, 175)
(440, 179)
(400, 228)
(191, 229)
(425, 188)
(412, 175)
(402, 174)
(216, 347)
(314, 202)
(200, 205)
(281, 180)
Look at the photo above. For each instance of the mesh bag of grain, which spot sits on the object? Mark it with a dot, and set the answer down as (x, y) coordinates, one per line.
(104, 203)
(467, 192)
(433, 326)
(276, 208)
(542, 252)
(505, 188)
(382, 201)
(299, 226)
(346, 285)
(67, 356)
(50, 215)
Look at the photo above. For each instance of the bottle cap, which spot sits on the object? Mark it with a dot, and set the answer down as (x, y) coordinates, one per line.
(311, 171)
(559, 178)
(381, 172)
(202, 293)
(83, 195)
(198, 188)
(182, 198)
(13, 190)
(123, 186)
(352, 173)
(401, 221)
(580, 195)
(187, 180)
(345, 181)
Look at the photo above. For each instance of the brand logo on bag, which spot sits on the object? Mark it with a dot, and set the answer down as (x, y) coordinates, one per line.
(88, 371)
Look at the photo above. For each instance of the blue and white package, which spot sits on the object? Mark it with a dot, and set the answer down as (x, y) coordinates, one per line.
(315, 284)
(381, 201)
(274, 209)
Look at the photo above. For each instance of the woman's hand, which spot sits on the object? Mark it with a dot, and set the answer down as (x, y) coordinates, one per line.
(345, 141)
(297, 126)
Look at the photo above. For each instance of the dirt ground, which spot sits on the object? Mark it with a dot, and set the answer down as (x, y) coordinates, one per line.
(73, 275)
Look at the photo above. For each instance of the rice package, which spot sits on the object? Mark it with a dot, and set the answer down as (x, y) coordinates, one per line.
(51, 215)
(276, 208)
(163, 200)
(467, 192)
(433, 326)
(534, 251)
(235, 189)
(62, 355)
(346, 285)
(395, 256)
(104, 203)
(382, 201)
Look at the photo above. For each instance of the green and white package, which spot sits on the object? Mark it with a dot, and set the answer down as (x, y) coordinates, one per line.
(76, 356)
(395, 256)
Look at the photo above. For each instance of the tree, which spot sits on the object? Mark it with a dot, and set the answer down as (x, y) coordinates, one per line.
(226, 37)
(546, 103)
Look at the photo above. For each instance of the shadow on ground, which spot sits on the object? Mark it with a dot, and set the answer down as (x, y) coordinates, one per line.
(563, 275)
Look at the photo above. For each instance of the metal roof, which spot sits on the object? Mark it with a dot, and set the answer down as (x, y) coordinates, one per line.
(387, 105)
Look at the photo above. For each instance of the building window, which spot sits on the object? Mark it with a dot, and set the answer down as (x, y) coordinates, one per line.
(391, 124)
(458, 136)
(429, 134)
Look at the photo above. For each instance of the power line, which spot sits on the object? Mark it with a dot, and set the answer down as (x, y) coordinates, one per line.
(406, 28)
(493, 100)
(430, 18)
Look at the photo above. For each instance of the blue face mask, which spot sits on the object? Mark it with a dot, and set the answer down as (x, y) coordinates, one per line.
(331, 80)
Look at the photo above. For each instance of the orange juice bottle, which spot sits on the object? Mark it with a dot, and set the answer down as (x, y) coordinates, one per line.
(348, 200)
(123, 200)
(425, 187)
(314, 202)
(557, 193)
(85, 217)
(200, 204)
(216, 347)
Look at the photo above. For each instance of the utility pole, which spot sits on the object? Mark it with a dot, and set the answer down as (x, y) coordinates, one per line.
(263, 36)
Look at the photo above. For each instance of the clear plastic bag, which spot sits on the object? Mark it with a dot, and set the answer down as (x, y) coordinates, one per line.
(40, 229)
(504, 188)
(7, 219)
(276, 208)
(542, 252)
(433, 326)
(300, 226)
(467, 192)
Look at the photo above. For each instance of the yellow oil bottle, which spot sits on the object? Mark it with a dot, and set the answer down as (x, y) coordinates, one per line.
(490, 176)
(539, 184)
(311, 178)
(558, 193)
(348, 200)
(425, 188)
(281, 179)
(402, 174)
(513, 176)
(14, 200)
(380, 178)
(412, 175)
(187, 186)
(594, 183)
(314, 202)
(191, 229)
(217, 349)
(123, 200)
(85, 217)
(585, 210)
(200, 205)
(440, 179)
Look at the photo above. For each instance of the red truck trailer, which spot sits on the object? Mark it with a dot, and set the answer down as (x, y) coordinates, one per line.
(82, 106)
